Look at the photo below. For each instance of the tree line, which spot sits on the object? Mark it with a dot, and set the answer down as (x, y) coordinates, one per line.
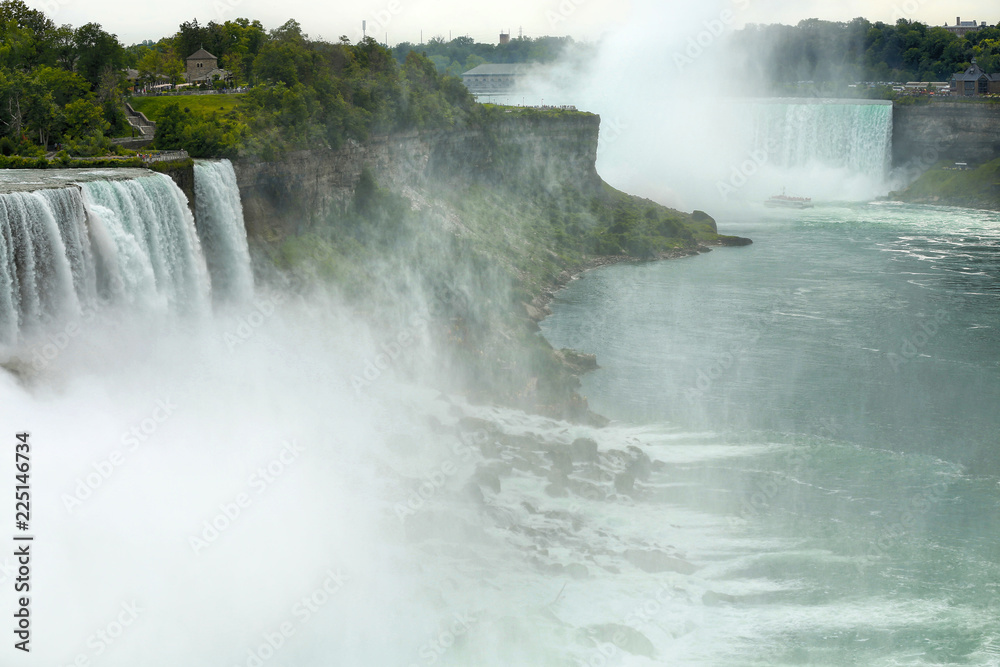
(66, 88)
(855, 51)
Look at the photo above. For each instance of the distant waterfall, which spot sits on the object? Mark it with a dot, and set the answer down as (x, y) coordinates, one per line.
(222, 231)
(852, 135)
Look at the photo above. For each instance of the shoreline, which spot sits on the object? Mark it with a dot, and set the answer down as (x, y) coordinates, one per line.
(539, 309)
(579, 363)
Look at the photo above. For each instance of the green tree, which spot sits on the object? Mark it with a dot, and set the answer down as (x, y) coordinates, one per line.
(156, 67)
(84, 119)
(98, 50)
(64, 86)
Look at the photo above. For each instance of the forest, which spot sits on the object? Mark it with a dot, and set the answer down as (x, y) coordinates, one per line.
(65, 89)
(856, 51)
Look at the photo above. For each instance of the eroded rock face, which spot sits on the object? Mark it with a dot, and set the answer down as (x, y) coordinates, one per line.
(301, 188)
(945, 131)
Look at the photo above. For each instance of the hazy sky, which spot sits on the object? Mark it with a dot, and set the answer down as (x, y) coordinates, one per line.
(403, 20)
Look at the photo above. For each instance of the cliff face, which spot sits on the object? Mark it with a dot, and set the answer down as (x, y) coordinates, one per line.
(290, 194)
(957, 132)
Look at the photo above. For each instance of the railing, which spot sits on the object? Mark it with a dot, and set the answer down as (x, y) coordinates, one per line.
(160, 93)
(163, 156)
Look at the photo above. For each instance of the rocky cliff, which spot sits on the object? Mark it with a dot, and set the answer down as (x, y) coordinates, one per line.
(465, 230)
(290, 194)
(958, 132)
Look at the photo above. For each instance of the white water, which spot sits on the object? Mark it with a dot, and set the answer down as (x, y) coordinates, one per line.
(222, 231)
(68, 249)
(839, 134)
(147, 435)
(40, 275)
(152, 255)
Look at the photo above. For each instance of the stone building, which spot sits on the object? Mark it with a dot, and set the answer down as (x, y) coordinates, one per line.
(974, 81)
(962, 28)
(203, 67)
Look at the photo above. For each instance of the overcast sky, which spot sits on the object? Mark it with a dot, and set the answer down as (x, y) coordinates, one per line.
(403, 20)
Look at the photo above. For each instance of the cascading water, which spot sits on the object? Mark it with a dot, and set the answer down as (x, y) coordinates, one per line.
(44, 259)
(851, 135)
(157, 260)
(221, 229)
(124, 241)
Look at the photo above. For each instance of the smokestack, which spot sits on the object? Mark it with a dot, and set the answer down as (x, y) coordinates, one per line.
(958, 20)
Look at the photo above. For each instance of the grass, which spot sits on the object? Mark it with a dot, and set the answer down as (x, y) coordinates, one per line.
(978, 187)
(537, 112)
(199, 104)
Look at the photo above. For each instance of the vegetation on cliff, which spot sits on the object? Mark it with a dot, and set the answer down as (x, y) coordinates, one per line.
(479, 249)
(58, 85)
(68, 87)
(312, 93)
(944, 184)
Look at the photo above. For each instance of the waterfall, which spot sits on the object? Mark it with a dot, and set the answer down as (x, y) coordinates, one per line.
(853, 135)
(130, 242)
(156, 260)
(44, 259)
(222, 231)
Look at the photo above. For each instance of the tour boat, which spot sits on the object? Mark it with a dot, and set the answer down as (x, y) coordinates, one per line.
(785, 201)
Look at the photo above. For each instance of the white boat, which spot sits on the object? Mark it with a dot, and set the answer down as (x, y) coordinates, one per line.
(786, 201)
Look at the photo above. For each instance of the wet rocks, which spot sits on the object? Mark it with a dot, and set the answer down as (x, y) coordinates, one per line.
(624, 637)
(655, 561)
(584, 450)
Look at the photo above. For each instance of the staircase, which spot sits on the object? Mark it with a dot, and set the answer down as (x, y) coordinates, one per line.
(145, 130)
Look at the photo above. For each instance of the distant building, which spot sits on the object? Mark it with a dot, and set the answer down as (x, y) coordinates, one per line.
(962, 28)
(505, 38)
(494, 78)
(203, 67)
(974, 81)
(922, 86)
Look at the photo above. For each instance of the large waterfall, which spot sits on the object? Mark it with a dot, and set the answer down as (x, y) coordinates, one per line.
(126, 238)
(853, 135)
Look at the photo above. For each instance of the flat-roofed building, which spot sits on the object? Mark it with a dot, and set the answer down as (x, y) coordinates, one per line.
(495, 77)
(962, 28)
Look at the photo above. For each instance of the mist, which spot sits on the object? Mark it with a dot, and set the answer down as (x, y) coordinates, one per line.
(680, 94)
(299, 471)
